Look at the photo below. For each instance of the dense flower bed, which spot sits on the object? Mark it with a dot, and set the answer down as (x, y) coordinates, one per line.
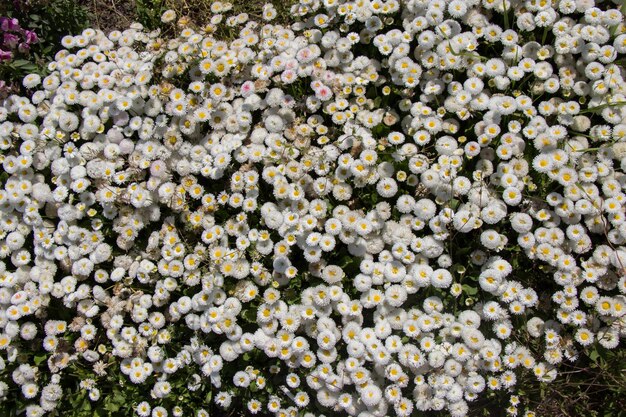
(384, 208)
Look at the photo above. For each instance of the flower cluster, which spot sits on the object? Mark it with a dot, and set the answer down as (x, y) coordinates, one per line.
(15, 42)
(385, 207)
(14, 38)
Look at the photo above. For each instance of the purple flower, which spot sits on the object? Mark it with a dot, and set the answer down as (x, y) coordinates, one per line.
(5, 55)
(11, 40)
(7, 24)
(14, 24)
(31, 37)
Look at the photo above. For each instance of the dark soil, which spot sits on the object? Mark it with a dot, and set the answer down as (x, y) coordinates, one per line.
(109, 15)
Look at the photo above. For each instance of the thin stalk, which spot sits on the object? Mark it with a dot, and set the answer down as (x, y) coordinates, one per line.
(602, 106)
(506, 16)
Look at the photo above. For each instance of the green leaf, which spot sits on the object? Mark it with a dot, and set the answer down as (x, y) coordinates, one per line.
(208, 397)
(380, 130)
(77, 401)
(470, 290)
(86, 405)
(345, 261)
(119, 398)
(249, 315)
(112, 406)
(39, 359)
(22, 63)
(291, 295)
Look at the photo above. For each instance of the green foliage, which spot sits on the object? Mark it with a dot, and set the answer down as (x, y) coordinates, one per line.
(50, 20)
(149, 12)
(593, 386)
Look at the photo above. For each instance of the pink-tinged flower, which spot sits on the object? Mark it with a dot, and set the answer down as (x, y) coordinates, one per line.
(247, 88)
(324, 93)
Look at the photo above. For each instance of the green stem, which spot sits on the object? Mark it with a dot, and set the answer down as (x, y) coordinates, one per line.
(602, 106)
(506, 16)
